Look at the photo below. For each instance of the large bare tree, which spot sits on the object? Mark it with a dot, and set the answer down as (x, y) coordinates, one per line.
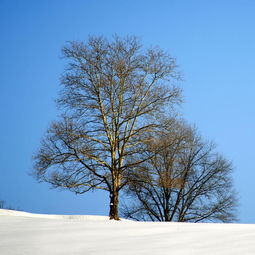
(113, 93)
(183, 180)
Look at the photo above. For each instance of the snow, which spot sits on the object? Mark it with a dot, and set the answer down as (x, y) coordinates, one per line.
(40, 234)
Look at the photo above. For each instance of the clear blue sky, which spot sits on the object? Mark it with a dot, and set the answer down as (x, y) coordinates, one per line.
(213, 41)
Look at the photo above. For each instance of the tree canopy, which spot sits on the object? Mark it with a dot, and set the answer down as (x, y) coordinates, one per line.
(113, 94)
(184, 179)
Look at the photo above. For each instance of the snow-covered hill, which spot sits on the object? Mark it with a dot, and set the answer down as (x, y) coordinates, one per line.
(38, 234)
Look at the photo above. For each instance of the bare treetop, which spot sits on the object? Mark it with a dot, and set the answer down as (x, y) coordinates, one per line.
(113, 93)
(184, 179)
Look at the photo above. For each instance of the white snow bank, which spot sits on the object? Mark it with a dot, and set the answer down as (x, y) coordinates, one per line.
(52, 216)
(39, 235)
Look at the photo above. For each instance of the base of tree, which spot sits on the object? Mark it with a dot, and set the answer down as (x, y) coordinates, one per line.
(112, 218)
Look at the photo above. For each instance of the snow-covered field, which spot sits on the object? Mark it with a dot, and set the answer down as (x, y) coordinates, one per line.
(39, 234)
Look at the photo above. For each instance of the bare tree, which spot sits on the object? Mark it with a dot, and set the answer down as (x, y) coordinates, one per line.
(3, 205)
(183, 180)
(113, 93)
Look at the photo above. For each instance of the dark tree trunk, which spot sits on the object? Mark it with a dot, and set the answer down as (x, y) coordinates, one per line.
(166, 207)
(166, 215)
(114, 205)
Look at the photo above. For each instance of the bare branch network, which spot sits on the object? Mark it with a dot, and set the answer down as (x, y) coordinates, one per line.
(112, 96)
(184, 179)
(116, 99)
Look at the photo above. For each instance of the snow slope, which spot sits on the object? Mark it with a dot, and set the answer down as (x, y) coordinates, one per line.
(38, 234)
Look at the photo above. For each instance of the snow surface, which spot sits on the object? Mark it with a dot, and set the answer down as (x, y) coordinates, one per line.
(39, 234)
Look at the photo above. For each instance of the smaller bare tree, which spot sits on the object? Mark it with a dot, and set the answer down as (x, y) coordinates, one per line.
(184, 180)
(3, 205)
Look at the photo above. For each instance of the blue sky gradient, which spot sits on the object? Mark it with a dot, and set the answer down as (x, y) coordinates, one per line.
(213, 42)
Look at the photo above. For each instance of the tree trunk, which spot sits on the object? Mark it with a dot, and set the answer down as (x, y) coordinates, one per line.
(166, 207)
(114, 205)
(166, 214)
